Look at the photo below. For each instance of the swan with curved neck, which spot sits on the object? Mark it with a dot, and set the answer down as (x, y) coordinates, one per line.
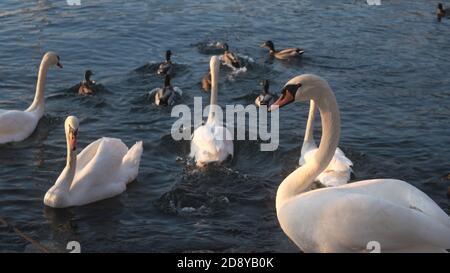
(18, 125)
(349, 217)
(339, 170)
(102, 170)
(211, 142)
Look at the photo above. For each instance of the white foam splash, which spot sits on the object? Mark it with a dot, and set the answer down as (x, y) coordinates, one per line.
(374, 2)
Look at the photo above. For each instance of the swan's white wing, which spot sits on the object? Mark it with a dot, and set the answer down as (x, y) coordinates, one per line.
(131, 162)
(223, 142)
(338, 171)
(16, 125)
(202, 145)
(102, 169)
(356, 219)
(210, 145)
(87, 154)
(401, 193)
(345, 219)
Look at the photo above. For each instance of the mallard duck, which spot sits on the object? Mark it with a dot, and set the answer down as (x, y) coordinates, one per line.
(229, 58)
(87, 86)
(166, 95)
(166, 66)
(265, 98)
(441, 12)
(206, 82)
(284, 53)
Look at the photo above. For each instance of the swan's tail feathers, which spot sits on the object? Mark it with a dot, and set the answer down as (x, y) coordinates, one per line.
(132, 160)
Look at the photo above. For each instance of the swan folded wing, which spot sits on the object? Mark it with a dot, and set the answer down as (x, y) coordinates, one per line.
(334, 178)
(131, 162)
(102, 169)
(223, 142)
(203, 148)
(352, 220)
(16, 125)
(403, 194)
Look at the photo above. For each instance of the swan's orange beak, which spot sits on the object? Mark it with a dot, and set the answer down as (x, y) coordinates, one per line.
(73, 140)
(283, 100)
(58, 64)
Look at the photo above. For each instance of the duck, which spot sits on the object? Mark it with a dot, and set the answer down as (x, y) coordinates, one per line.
(16, 125)
(283, 54)
(206, 82)
(166, 95)
(166, 67)
(102, 170)
(441, 12)
(351, 217)
(265, 98)
(212, 142)
(229, 58)
(88, 86)
(338, 172)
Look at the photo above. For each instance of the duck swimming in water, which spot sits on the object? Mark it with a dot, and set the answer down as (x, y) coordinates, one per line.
(166, 95)
(229, 58)
(206, 82)
(283, 54)
(265, 98)
(441, 12)
(165, 68)
(87, 86)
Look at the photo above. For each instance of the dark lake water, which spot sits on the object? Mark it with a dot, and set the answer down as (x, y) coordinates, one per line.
(388, 65)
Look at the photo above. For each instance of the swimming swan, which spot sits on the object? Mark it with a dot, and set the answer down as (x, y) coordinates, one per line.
(16, 125)
(212, 142)
(102, 170)
(391, 212)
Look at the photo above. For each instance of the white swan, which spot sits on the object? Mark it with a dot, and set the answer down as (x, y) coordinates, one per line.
(212, 142)
(339, 170)
(17, 125)
(398, 216)
(102, 170)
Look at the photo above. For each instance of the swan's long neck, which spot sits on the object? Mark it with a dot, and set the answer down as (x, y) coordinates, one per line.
(214, 93)
(67, 177)
(309, 132)
(38, 102)
(299, 180)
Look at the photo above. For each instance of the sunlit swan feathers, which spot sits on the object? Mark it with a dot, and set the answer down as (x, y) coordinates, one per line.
(338, 171)
(18, 125)
(397, 215)
(102, 170)
(211, 142)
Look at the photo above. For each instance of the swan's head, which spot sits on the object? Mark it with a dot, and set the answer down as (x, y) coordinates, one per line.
(301, 88)
(168, 54)
(214, 64)
(268, 44)
(71, 127)
(52, 58)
